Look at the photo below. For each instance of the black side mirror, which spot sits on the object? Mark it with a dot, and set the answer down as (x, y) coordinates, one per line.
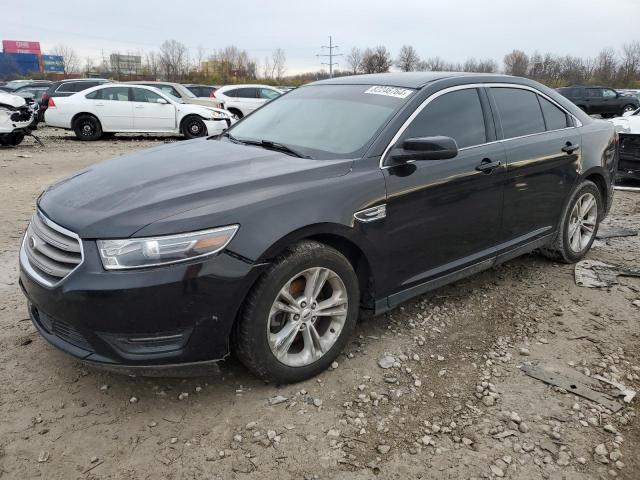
(425, 148)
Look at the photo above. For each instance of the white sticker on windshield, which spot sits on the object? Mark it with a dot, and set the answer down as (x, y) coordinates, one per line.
(389, 91)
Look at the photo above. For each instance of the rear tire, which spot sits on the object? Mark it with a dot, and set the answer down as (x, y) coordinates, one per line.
(578, 225)
(299, 315)
(628, 108)
(87, 128)
(236, 112)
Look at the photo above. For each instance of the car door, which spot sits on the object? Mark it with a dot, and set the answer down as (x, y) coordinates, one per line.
(542, 147)
(594, 100)
(113, 108)
(443, 215)
(610, 101)
(152, 112)
(249, 99)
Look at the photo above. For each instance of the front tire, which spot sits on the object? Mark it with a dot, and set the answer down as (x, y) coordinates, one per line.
(193, 127)
(578, 225)
(12, 139)
(299, 315)
(87, 128)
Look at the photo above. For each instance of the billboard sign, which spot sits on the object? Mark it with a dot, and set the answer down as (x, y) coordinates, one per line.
(20, 46)
(126, 64)
(52, 63)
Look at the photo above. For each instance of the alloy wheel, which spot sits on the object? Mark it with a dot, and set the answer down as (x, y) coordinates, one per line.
(307, 316)
(582, 222)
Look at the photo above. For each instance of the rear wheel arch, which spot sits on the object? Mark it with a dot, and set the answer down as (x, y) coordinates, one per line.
(78, 115)
(599, 179)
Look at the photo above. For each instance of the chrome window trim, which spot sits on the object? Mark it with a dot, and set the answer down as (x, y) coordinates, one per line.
(431, 98)
(24, 261)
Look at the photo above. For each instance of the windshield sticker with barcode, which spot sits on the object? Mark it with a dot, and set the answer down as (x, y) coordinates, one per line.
(389, 91)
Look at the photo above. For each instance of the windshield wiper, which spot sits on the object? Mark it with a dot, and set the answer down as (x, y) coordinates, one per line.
(280, 147)
(268, 144)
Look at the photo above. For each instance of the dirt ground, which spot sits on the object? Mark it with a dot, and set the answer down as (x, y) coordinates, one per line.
(454, 404)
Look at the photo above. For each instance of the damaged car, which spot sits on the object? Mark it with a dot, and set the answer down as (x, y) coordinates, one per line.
(18, 117)
(628, 127)
(344, 197)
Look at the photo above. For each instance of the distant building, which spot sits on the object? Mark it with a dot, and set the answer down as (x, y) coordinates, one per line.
(125, 64)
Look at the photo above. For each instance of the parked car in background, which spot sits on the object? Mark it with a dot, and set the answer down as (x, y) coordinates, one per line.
(350, 194)
(202, 90)
(181, 92)
(241, 100)
(600, 100)
(18, 116)
(112, 108)
(628, 127)
(66, 88)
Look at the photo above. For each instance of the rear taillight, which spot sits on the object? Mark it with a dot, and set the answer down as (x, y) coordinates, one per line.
(51, 103)
(212, 94)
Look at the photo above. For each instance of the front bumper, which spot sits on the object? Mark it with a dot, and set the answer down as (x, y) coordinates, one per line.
(216, 127)
(155, 318)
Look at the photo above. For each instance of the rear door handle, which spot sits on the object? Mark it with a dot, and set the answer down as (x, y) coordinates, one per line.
(139, 106)
(569, 148)
(487, 166)
(99, 104)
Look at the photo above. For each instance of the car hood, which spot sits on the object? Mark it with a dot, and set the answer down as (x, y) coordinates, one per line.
(117, 198)
(11, 100)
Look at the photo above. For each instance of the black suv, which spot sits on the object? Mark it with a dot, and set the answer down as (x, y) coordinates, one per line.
(600, 100)
(66, 88)
(346, 195)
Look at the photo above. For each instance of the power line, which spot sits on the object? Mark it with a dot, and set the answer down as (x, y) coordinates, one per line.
(331, 48)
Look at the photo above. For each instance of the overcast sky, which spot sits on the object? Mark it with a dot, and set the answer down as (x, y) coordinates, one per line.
(454, 30)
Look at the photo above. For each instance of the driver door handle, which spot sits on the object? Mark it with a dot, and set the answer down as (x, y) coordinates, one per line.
(487, 166)
(570, 148)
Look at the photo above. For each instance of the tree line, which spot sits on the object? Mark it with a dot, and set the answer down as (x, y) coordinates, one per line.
(173, 61)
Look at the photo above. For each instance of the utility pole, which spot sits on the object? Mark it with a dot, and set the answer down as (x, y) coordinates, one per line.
(331, 48)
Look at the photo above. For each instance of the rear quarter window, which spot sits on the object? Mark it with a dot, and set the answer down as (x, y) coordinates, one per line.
(554, 117)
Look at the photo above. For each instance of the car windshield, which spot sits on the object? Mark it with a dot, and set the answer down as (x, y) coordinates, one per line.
(324, 121)
(172, 97)
(184, 91)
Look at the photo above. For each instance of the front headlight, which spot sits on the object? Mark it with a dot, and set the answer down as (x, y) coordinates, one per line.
(218, 115)
(155, 251)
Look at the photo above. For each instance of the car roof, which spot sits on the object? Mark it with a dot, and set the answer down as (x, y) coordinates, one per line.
(147, 82)
(248, 85)
(410, 79)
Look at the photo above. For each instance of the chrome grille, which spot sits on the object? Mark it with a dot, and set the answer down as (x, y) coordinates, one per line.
(50, 252)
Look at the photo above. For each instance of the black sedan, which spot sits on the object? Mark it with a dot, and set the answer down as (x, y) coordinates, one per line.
(346, 195)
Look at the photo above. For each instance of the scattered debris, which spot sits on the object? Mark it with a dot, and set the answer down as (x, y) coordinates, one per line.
(277, 400)
(612, 231)
(596, 274)
(626, 392)
(571, 385)
(386, 361)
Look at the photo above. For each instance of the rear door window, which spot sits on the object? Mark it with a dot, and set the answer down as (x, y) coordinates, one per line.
(119, 94)
(554, 117)
(456, 114)
(519, 111)
(247, 93)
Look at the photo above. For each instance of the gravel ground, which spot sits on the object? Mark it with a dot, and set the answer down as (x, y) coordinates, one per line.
(453, 402)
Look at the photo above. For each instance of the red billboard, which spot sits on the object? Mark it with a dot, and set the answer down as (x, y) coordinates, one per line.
(19, 46)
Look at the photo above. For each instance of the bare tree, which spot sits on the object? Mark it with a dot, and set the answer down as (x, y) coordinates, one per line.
(152, 64)
(630, 66)
(266, 67)
(279, 64)
(516, 63)
(88, 65)
(606, 66)
(174, 60)
(70, 60)
(376, 60)
(354, 60)
(408, 59)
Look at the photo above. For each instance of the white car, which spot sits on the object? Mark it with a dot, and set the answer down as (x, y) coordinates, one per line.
(113, 108)
(17, 118)
(628, 128)
(241, 100)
